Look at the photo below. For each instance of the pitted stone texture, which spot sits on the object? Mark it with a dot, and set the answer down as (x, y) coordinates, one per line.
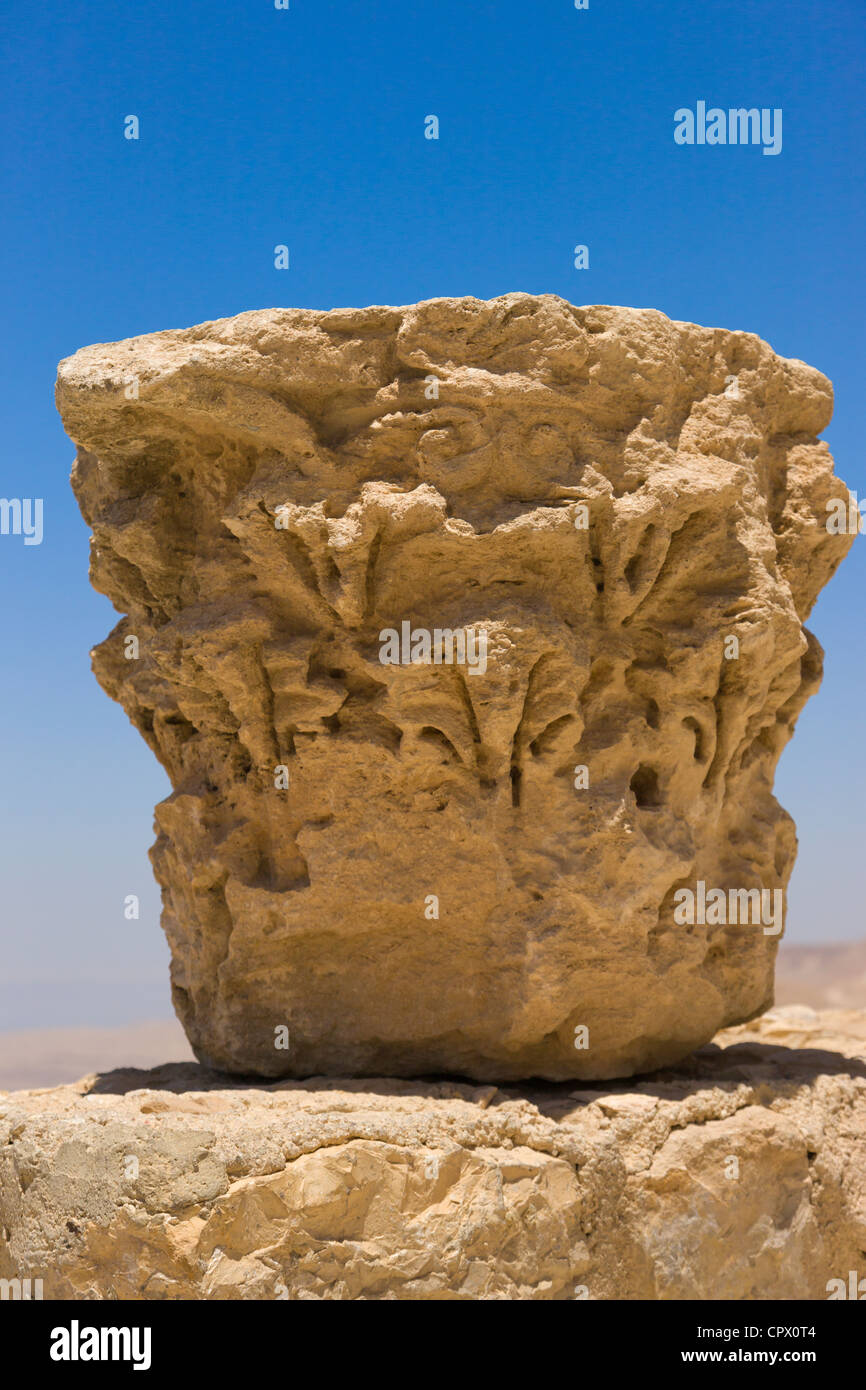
(740, 1174)
(694, 453)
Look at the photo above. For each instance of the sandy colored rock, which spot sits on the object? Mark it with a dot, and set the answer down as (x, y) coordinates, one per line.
(739, 1174)
(604, 496)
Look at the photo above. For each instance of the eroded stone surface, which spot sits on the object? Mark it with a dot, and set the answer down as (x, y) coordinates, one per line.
(739, 1174)
(694, 452)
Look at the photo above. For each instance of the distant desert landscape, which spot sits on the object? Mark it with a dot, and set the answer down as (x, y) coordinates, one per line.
(823, 977)
(37, 1057)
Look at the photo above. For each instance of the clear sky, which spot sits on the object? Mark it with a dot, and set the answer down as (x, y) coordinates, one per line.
(305, 126)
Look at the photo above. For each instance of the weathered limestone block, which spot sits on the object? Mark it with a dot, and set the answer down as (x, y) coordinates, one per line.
(441, 866)
(739, 1175)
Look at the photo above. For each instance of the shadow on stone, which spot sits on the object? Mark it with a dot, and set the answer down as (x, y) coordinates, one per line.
(785, 1068)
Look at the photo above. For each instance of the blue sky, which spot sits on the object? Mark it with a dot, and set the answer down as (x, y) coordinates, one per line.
(306, 127)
